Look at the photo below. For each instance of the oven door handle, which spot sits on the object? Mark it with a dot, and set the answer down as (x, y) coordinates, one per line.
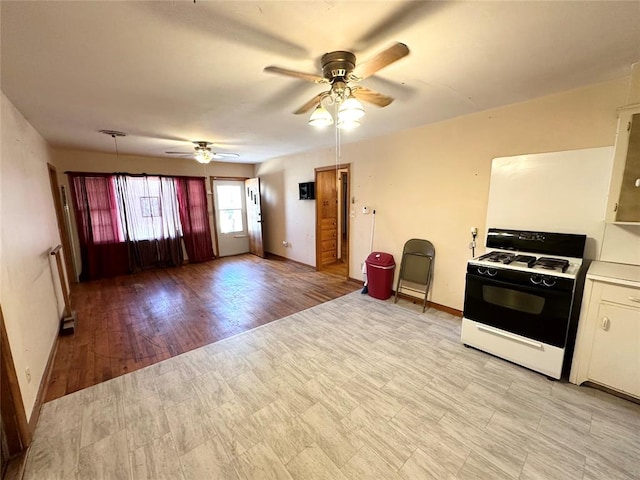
(500, 333)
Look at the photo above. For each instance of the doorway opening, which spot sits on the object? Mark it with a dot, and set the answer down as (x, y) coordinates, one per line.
(332, 219)
(230, 212)
(237, 216)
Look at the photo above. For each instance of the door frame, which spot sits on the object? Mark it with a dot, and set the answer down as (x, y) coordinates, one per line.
(71, 274)
(337, 168)
(343, 214)
(14, 417)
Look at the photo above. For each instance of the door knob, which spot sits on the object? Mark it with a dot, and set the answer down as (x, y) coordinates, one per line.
(606, 323)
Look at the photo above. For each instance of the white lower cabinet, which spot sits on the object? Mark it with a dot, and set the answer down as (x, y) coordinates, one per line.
(607, 349)
(615, 355)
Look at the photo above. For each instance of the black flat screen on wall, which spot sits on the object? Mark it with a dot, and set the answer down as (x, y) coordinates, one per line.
(307, 190)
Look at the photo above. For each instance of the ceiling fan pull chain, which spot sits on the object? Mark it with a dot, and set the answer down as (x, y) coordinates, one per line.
(338, 143)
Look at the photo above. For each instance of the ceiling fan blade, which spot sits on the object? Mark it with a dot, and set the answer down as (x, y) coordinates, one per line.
(310, 104)
(179, 153)
(309, 77)
(371, 96)
(225, 155)
(404, 16)
(386, 57)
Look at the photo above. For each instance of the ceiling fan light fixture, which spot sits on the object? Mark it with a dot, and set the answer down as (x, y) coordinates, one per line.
(339, 69)
(320, 117)
(350, 110)
(203, 156)
(348, 124)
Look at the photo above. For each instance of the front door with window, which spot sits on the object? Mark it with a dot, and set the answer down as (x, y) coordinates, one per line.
(231, 217)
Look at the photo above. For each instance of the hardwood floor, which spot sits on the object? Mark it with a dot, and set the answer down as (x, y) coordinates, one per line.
(132, 321)
(338, 268)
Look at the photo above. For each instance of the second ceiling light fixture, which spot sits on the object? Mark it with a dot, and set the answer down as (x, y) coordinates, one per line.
(203, 153)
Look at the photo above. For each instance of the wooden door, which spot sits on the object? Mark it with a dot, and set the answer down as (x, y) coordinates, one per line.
(326, 218)
(254, 216)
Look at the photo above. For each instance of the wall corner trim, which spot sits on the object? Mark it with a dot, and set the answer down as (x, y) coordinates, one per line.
(42, 389)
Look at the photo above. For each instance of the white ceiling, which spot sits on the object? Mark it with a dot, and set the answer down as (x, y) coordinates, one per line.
(170, 72)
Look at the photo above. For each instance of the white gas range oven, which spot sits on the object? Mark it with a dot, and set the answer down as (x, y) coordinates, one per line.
(519, 297)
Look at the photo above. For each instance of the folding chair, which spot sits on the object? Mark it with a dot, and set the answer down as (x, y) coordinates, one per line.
(416, 268)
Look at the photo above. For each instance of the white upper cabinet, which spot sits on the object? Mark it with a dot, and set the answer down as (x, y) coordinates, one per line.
(623, 204)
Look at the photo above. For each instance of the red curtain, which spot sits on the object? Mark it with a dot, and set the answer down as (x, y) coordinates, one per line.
(103, 252)
(194, 216)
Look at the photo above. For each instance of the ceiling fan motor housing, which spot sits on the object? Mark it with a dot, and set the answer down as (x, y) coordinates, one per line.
(337, 64)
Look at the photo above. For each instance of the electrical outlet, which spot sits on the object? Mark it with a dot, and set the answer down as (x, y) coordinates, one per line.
(474, 230)
(27, 372)
(285, 243)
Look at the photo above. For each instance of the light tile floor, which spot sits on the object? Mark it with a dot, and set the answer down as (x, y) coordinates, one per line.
(355, 388)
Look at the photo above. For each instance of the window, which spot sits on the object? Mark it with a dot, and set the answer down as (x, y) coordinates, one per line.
(103, 213)
(229, 199)
(132, 222)
(193, 193)
(151, 207)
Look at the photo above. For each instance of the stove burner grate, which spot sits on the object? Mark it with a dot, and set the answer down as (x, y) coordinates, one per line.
(547, 263)
(527, 260)
(498, 257)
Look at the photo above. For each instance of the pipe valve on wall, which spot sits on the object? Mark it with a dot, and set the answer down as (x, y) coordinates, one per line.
(472, 245)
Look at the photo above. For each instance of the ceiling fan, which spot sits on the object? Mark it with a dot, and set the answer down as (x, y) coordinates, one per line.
(203, 153)
(340, 71)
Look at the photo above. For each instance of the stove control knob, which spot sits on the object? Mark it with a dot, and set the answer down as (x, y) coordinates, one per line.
(535, 279)
(482, 271)
(548, 282)
(492, 272)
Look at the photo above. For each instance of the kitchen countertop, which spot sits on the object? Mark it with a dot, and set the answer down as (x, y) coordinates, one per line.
(620, 273)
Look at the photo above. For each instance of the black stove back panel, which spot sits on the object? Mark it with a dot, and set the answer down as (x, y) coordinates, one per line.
(547, 243)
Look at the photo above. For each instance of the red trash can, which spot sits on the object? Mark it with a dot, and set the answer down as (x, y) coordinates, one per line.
(380, 270)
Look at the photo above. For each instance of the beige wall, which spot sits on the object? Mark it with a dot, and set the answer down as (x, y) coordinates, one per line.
(29, 283)
(81, 161)
(621, 244)
(433, 182)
